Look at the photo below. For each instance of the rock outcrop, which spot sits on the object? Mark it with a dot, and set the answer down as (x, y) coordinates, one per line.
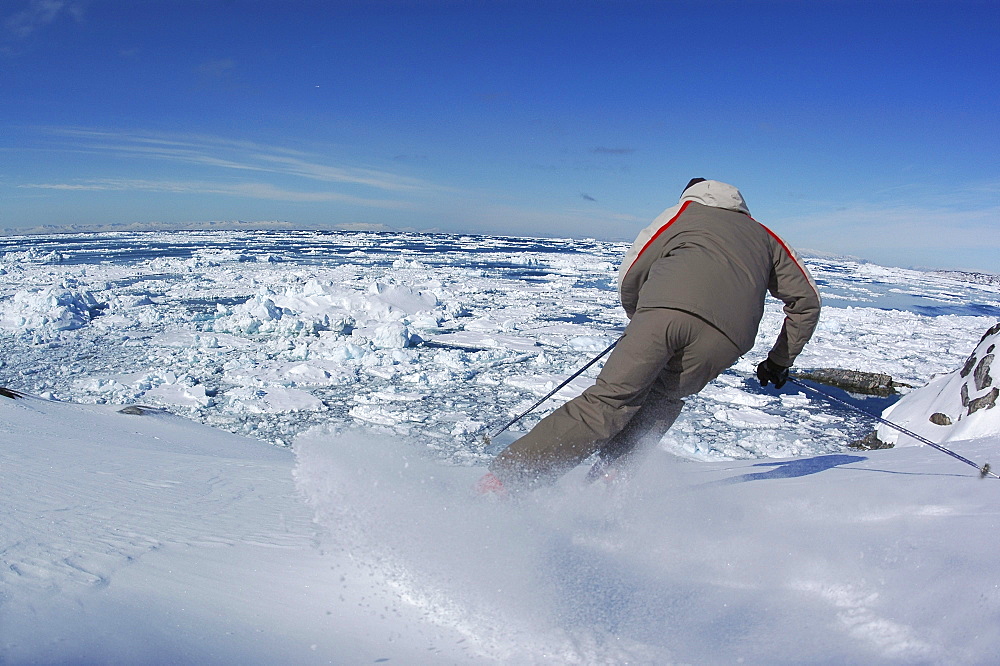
(959, 405)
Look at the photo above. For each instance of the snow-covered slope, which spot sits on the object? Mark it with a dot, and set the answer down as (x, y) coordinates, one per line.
(958, 405)
(150, 539)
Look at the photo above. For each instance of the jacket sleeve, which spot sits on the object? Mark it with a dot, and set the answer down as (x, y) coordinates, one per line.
(792, 283)
(632, 277)
(629, 291)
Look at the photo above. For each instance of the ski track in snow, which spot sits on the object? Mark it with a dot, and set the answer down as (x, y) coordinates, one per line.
(836, 558)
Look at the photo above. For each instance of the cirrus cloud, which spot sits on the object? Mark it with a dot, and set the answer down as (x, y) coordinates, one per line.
(40, 13)
(247, 190)
(237, 155)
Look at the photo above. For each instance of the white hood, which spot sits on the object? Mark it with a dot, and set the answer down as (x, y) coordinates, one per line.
(717, 194)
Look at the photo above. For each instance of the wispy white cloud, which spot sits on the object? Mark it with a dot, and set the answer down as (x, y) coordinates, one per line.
(217, 69)
(907, 215)
(909, 226)
(209, 151)
(246, 190)
(903, 235)
(604, 150)
(40, 13)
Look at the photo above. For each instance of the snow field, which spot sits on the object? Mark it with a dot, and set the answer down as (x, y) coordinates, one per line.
(179, 542)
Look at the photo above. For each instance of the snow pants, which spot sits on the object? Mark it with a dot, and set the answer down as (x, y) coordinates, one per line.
(664, 356)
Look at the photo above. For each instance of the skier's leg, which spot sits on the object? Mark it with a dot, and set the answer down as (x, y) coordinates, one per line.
(646, 428)
(704, 355)
(572, 432)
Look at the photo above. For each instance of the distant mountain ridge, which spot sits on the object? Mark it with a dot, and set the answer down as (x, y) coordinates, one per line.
(969, 276)
(833, 256)
(976, 277)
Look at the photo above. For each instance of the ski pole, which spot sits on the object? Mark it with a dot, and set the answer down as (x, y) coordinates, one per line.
(487, 438)
(984, 470)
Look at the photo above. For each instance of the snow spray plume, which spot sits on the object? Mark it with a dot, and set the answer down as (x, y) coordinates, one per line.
(488, 438)
(984, 470)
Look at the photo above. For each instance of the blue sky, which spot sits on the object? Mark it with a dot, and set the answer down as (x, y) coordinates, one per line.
(865, 128)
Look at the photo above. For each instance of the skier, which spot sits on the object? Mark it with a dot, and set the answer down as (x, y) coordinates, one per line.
(693, 286)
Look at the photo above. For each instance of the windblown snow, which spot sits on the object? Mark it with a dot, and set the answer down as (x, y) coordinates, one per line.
(298, 490)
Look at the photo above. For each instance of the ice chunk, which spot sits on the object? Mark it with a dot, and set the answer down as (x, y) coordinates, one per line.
(47, 311)
(748, 417)
(179, 394)
(273, 400)
(391, 336)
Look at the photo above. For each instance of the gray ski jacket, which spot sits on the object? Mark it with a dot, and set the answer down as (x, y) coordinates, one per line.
(708, 257)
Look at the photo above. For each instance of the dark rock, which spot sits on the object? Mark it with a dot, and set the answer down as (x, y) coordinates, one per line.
(140, 410)
(937, 418)
(970, 363)
(853, 381)
(993, 331)
(982, 373)
(987, 401)
(870, 442)
(10, 393)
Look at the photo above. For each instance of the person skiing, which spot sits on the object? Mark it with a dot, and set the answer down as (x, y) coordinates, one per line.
(693, 286)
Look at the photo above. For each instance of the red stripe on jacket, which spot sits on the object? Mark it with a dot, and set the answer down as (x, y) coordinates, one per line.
(657, 234)
(791, 255)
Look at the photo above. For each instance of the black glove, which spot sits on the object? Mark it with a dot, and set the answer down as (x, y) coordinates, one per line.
(769, 371)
